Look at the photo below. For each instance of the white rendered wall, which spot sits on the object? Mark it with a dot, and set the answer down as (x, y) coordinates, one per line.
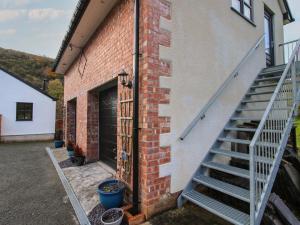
(13, 91)
(208, 42)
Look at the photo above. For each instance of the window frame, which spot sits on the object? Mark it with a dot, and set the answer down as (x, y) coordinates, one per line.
(241, 11)
(24, 111)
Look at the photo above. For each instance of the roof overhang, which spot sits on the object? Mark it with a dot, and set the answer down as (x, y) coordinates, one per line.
(286, 12)
(89, 14)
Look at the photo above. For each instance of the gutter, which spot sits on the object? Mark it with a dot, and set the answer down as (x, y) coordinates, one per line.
(135, 144)
(79, 11)
(289, 13)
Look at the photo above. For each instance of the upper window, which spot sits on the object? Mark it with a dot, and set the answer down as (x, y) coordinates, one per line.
(244, 7)
(24, 111)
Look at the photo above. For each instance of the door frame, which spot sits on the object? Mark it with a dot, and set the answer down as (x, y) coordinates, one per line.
(270, 14)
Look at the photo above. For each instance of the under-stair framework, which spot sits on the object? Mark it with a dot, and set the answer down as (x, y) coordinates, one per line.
(266, 115)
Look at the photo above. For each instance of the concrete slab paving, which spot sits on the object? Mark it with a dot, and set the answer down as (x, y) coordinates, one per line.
(85, 179)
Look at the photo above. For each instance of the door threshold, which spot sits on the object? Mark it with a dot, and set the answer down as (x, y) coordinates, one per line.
(107, 167)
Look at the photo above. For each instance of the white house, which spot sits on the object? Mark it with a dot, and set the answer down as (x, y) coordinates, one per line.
(27, 113)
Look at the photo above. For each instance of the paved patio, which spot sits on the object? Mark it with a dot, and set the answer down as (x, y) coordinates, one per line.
(84, 179)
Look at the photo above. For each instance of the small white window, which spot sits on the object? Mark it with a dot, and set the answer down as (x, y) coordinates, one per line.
(236, 4)
(244, 8)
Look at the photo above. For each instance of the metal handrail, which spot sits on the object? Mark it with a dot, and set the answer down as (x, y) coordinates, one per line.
(234, 74)
(289, 42)
(287, 49)
(272, 120)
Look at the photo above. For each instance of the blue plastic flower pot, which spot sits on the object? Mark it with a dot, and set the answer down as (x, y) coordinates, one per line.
(71, 153)
(113, 199)
(59, 144)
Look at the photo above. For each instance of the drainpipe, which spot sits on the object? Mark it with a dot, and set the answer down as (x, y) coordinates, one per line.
(135, 144)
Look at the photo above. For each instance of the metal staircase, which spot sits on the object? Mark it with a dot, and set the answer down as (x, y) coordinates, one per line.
(269, 106)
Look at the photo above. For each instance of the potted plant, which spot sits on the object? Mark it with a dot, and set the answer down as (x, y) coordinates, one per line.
(58, 142)
(78, 156)
(111, 193)
(112, 216)
(70, 149)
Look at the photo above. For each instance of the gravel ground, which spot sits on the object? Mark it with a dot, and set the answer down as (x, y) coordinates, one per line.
(188, 215)
(30, 190)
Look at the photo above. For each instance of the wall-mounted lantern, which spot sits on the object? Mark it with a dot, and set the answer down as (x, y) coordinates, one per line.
(124, 79)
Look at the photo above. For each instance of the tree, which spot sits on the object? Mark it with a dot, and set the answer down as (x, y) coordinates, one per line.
(56, 89)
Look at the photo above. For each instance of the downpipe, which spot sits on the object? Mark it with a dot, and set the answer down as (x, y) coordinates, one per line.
(135, 133)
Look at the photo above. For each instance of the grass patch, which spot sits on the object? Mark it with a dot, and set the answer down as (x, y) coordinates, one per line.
(297, 124)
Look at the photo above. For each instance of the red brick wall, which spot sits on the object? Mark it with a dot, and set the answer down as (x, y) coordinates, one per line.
(108, 52)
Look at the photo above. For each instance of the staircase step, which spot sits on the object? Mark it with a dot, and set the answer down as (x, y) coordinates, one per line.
(240, 129)
(256, 101)
(227, 169)
(274, 68)
(268, 79)
(250, 109)
(245, 118)
(239, 155)
(232, 190)
(264, 100)
(260, 93)
(229, 153)
(264, 85)
(258, 109)
(270, 73)
(224, 211)
(247, 142)
(234, 140)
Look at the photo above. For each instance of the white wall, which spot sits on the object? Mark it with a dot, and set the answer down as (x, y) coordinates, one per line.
(208, 42)
(12, 91)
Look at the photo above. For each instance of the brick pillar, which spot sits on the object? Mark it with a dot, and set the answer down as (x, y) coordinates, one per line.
(155, 188)
(93, 126)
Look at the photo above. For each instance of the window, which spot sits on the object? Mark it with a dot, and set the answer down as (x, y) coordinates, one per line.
(24, 111)
(244, 7)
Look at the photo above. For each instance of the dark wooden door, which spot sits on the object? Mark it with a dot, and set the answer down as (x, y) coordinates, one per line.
(269, 37)
(108, 126)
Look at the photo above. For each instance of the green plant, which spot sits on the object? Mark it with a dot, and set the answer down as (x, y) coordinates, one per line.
(78, 151)
(112, 187)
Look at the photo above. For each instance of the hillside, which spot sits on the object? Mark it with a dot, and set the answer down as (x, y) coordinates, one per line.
(35, 69)
(31, 68)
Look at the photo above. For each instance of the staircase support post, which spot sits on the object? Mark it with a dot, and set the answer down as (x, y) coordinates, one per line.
(252, 185)
(294, 81)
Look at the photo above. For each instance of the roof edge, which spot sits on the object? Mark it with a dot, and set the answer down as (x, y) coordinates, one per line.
(27, 83)
(79, 11)
(289, 12)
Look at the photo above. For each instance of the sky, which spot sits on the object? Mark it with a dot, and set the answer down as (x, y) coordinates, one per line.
(39, 26)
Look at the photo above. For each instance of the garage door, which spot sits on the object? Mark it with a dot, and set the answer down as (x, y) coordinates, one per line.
(108, 126)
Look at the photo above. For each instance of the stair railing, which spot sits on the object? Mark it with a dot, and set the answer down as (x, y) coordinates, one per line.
(233, 75)
(270, 138)
(287, 49)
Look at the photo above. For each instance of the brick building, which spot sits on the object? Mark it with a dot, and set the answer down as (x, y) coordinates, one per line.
(187, 49)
